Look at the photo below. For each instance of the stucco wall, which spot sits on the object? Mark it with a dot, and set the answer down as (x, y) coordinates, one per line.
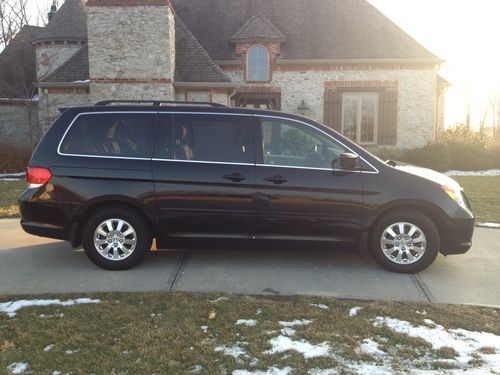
(129, 57)
(416, 97)
(14, 123)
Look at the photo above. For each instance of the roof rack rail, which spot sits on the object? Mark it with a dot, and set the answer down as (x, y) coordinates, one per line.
(156, 103)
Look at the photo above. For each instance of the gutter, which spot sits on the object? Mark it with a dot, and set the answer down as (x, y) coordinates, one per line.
(50, 85)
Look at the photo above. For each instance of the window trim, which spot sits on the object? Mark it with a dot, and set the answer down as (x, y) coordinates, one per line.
(100, 156)
(268, 59)
(358, 115)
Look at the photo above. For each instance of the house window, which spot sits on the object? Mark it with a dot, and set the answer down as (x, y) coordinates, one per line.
(258, 64)
(199, 96)
(359, 116)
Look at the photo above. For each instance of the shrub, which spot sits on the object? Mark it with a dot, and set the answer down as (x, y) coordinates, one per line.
(13, 158)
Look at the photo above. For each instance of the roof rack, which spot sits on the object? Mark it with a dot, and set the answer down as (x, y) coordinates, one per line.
(157, 103)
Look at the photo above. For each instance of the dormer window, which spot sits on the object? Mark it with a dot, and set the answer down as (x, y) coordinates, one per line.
(258, 63)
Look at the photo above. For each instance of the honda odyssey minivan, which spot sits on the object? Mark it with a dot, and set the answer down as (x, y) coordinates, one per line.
(115, 176)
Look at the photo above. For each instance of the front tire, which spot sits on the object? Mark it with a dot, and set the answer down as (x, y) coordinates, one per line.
(405, 241)
(115, 238)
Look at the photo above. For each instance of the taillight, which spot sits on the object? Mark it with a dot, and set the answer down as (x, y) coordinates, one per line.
(37, 176)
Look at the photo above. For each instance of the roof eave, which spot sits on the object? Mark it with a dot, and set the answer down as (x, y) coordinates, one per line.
(422, 61)
(257, 39)
(58, 39)
(50, 85)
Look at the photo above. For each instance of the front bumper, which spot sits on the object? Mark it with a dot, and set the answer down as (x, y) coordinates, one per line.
(457, 236)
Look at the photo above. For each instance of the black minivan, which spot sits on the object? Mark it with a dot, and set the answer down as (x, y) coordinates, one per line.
(115, 176)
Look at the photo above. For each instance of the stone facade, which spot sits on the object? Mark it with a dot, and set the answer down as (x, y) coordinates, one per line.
(52, 99)
(50, 56)
(129, 58)
(18, 113)
(416, 96)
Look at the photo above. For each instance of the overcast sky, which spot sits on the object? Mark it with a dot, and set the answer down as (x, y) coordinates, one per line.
(463, 32)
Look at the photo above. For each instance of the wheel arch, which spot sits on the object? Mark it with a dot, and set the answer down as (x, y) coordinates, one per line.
(96, 205)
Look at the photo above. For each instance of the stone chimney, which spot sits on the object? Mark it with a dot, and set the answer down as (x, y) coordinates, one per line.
(131, 49)
(53, 10)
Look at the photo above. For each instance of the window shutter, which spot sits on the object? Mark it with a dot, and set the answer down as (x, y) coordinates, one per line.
(388, 118)
(333, 110)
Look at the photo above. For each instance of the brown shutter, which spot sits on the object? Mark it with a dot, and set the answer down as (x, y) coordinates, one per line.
(333, 110)
(388, 118)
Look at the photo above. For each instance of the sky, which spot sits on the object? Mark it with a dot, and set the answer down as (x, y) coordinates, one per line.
(465, 33)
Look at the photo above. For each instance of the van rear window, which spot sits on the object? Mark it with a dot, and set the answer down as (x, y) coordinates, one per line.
(111, 134)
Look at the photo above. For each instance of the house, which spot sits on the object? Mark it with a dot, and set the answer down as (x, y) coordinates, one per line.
(339, 62)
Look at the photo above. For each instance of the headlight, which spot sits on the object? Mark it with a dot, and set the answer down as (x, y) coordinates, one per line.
(455, 193)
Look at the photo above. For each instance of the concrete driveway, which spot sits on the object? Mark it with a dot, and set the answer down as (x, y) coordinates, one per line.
(33, 265)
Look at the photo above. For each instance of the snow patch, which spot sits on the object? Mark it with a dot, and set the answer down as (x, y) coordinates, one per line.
(354, 311)
(295, 322)
(45, 316)
(489, 172)
(11, 308)
(259, 311)
(269, 371)
(220, 299)
(288, 331)
(48, 348)
(196, 369)
(369, 346)
(281, 344)
(204, 329)
(319, 306)
(17, 368)
(72, 351)
(463, 341)
(488, 225)
(234, 351)
(246, 322)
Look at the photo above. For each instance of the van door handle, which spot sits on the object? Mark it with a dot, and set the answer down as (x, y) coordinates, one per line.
(235, 177)
(276, 179)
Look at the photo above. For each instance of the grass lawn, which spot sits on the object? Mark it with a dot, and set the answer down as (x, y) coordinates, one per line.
(484, 196)
(178, 333)
(10, 191)
(483, 193)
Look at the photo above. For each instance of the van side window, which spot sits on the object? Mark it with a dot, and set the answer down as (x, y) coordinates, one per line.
(111, 134)
(291, 144)
(217, 138)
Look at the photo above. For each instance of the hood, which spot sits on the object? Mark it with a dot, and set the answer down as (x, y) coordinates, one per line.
(428, 174)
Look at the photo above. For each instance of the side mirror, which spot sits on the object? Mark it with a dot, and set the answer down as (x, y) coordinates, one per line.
(347, 161)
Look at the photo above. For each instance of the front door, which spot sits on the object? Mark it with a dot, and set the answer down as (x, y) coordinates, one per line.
(299, 196)
(204, 176)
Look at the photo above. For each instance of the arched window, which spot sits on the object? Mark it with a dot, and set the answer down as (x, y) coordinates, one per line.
(258, 64)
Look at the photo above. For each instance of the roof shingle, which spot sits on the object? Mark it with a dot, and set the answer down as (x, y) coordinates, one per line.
(258, 26)
(69, 23)
(75, 69)
(314, 29)
(193, 63)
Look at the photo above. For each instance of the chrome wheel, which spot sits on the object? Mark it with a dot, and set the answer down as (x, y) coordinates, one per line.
(403, 243)
(115, 239)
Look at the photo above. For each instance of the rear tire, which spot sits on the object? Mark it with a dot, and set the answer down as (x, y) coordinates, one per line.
(405, 241)
(115, 238)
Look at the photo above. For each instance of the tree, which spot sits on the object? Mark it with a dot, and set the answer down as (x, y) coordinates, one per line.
(13, 16)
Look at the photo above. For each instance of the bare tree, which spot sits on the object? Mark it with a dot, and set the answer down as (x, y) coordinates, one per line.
(13, 16)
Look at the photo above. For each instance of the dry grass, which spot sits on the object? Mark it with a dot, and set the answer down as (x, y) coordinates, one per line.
(162, 333)
(10, 191)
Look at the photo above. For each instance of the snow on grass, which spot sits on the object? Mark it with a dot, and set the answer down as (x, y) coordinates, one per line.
(269, 371)
(11, 308)
(287, 331)
(246, 322)
(196, 369)
(71, 351)
(282, 343)
(489, 172)
(259, 311)
(17, 368)
(48, 348)
(7, 175)
(204, 329)
(488, 225)
(369, 346)
(319, 306)
(220, 299)
(354, 311)
(464, 342)
(45, 316)
(234, 351)
(295, 322)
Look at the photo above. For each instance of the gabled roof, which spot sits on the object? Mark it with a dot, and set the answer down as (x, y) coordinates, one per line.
(69, 23)
(258, 27)
(75, 69)
(18, 66)
(193, 63)
(314, 29)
